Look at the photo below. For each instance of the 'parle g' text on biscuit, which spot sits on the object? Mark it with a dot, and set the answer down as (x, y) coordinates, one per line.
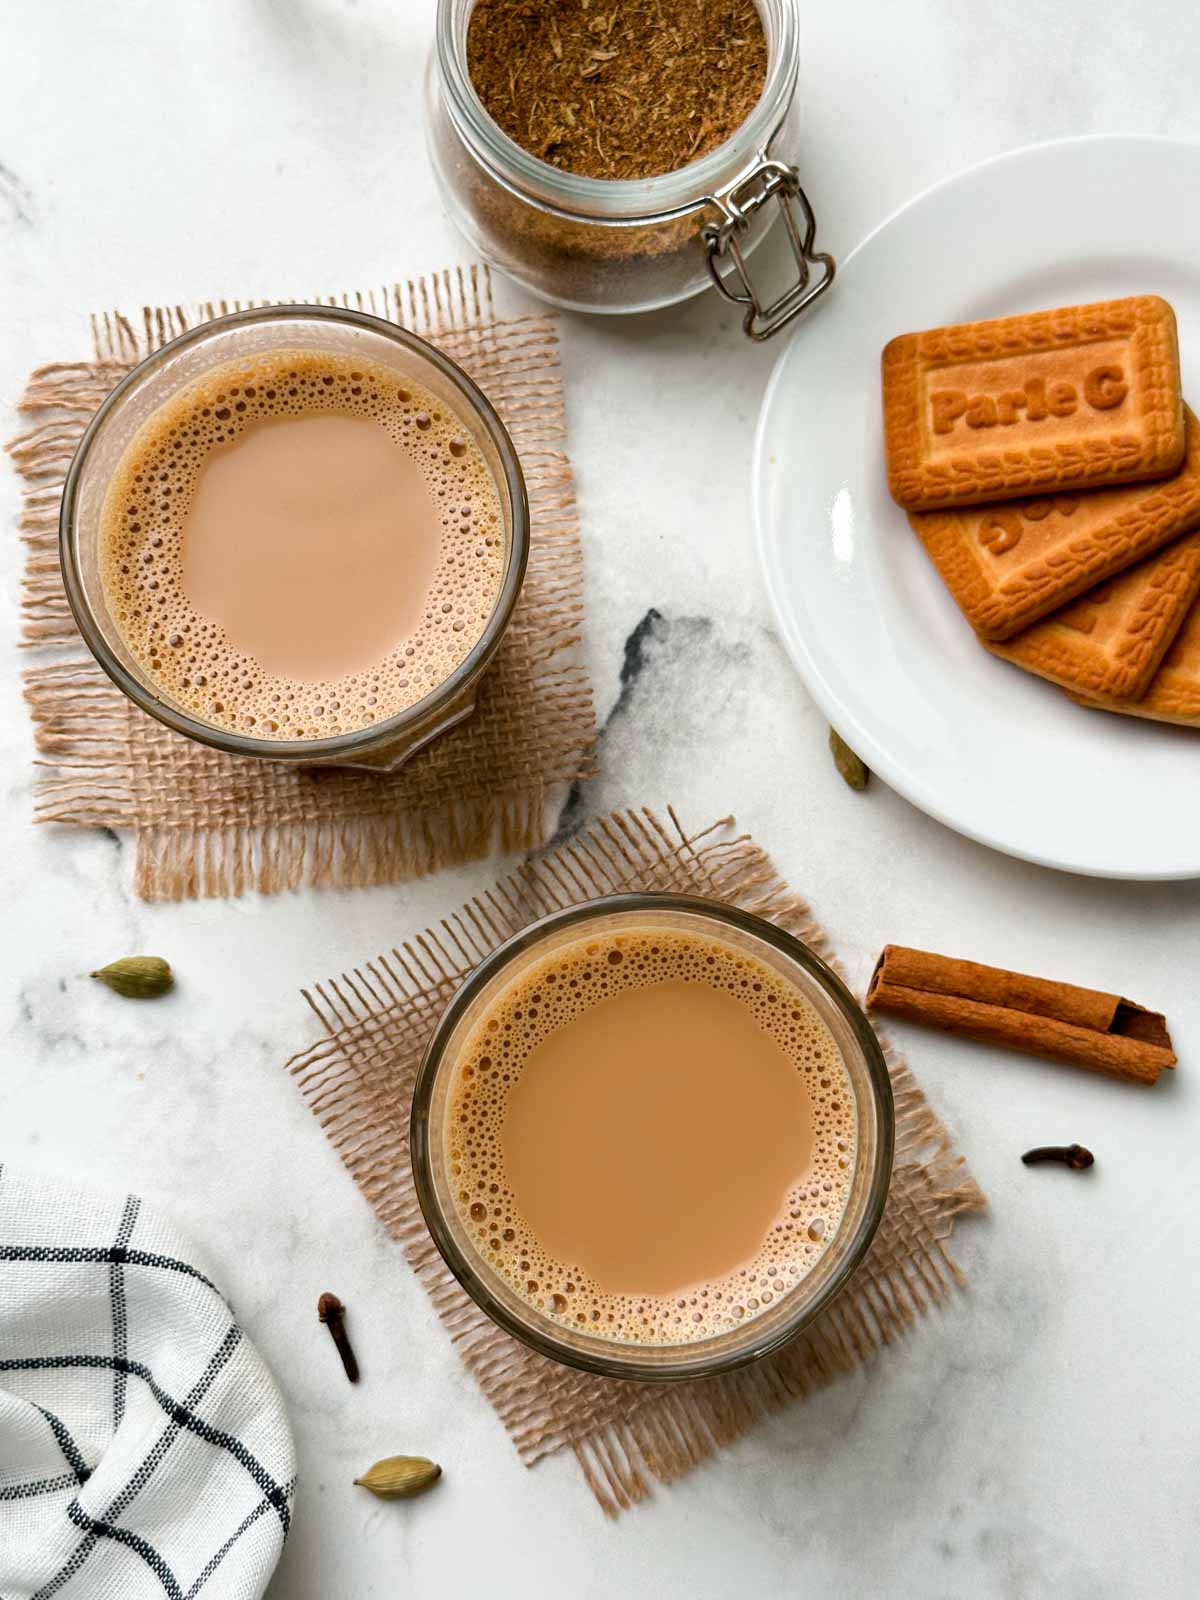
(1104, 389)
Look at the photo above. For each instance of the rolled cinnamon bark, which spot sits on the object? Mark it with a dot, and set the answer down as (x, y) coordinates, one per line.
(1058, 1020)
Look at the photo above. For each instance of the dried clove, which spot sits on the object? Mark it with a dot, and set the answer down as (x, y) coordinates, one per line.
(332, 1313)
(1067, 1155)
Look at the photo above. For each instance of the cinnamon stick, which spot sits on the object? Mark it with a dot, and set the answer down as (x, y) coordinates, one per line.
(1060, 1021)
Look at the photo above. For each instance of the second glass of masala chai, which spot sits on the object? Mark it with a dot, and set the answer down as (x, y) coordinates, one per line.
(652, 1136)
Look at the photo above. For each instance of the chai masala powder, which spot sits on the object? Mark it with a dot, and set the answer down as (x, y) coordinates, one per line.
(617, 88)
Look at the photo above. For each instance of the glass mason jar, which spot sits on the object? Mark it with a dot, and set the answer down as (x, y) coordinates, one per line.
(608, 245)
(385, 745)
(875, 1118)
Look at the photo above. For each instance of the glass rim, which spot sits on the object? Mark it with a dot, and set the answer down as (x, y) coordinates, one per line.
(618, 202)
(359, 740)
(692, 1362)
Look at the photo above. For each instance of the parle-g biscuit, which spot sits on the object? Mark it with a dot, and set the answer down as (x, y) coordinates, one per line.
(1110, 641)
(1070, 399)
(1174, 692)
(1013, 562)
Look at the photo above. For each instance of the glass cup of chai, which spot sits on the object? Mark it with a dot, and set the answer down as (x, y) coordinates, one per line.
(297, 533)
(652, 1136)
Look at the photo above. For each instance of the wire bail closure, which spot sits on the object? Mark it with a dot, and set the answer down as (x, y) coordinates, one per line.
(769, 180)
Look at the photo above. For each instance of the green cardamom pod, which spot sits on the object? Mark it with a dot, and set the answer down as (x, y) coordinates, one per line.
(853, 769)
(137, 977)
(399, 1477)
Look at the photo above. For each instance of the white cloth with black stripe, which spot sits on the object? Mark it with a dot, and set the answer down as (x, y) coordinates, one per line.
(144, 1447)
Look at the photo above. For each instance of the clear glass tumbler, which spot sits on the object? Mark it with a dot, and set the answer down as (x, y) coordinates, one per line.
(870, 1084)
(384, 745)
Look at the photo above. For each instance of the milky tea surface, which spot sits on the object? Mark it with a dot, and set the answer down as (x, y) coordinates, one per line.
(300, 545)
(651, 1136)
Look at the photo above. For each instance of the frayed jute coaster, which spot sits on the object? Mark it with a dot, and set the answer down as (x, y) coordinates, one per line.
(207, 823)
(358, 1080)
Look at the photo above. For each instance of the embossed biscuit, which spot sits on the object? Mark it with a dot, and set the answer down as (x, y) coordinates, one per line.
(1110, 641)
(1054, 400)
(1174, 692)
(1011, 563)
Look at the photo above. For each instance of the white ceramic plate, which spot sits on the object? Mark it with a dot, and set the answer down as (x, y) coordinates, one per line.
(993, 752)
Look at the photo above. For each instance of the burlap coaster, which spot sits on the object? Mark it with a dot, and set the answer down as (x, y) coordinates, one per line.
(211, 824)
(358, 1080)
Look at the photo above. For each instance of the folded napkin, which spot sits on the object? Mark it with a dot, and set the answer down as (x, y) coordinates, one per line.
(144, 1448)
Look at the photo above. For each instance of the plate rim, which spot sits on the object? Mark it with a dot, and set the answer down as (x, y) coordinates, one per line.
(826, 700)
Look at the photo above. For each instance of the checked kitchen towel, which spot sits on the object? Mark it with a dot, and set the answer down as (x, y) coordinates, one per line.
(144, 1448)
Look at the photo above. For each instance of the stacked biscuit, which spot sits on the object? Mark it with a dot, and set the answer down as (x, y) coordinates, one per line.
(1051, 470)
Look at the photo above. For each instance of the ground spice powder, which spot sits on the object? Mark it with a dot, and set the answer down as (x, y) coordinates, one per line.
(618, 88)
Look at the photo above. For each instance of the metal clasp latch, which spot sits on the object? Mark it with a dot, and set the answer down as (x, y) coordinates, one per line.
(770, 180)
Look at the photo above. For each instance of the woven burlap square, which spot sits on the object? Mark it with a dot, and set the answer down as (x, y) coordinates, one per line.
(358, 1080)
(211, 824)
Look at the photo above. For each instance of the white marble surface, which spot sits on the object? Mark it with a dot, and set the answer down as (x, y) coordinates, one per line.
(1037, 1437)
